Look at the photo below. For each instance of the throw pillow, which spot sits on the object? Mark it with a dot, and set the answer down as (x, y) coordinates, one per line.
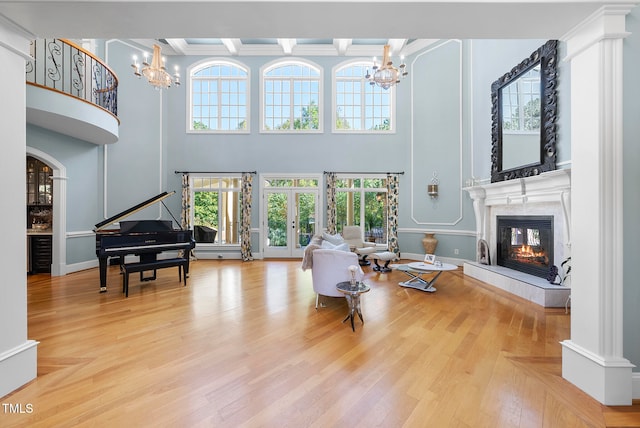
(334, 239)
(342, 247)
(329, 246)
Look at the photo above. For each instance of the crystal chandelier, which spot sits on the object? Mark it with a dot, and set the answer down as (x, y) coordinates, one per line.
(386, 75)
(156, 73)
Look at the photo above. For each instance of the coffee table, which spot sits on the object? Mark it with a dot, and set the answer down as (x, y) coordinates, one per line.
(416, 269)
(352, 293)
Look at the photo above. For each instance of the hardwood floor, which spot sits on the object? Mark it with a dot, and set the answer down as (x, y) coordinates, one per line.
(242, 345)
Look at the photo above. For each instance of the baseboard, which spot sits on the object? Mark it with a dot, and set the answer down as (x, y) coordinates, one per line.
(213, 255)
(635, 385)
(608, 380)
(18, 366)
(77, 267)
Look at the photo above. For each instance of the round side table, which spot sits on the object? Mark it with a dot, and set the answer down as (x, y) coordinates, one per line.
(352, 294)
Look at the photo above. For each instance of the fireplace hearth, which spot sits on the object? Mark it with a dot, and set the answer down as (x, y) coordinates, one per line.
(525, 243)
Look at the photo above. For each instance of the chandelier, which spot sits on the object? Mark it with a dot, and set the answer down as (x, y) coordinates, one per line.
(156, 73)
(386, 75)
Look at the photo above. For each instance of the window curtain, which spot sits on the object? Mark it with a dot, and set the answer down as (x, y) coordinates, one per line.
(393, 188)
(331, 202)
(245, 228)
(185, 218)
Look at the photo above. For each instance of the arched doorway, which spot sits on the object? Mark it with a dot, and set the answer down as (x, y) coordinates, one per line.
(59, 221)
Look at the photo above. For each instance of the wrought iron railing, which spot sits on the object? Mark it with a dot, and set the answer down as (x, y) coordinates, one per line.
(61, 65)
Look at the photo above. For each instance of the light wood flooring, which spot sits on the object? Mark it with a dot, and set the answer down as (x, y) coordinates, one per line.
(243, 346)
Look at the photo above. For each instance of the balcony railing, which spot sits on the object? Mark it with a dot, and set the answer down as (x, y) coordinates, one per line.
(60, 65)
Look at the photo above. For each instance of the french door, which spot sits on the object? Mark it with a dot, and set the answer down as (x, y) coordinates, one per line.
(289, 216)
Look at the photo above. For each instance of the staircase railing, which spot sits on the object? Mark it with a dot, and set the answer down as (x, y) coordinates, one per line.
(61, 65)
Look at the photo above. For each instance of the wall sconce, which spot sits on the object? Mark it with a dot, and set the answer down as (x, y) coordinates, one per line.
(432, 188)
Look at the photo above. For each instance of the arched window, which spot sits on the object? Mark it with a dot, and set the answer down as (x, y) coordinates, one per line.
(219, 91)
(359, 106)
(291, 97)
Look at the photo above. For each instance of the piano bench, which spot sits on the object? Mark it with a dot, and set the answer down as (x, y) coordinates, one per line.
(129, 268)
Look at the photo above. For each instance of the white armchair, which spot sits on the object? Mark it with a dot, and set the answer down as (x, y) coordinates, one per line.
(353, 236)
(331, 267)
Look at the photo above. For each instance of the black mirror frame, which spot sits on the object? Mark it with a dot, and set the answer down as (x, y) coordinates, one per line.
(546, 55)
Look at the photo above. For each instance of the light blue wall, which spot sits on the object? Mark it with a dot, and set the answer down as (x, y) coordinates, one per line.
(631, 195)
(442, 117)
(492, 59)
(83, 198)
(139, 109)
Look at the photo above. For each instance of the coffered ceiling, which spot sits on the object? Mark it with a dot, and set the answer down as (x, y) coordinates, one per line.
(308, 27)
(289, 46)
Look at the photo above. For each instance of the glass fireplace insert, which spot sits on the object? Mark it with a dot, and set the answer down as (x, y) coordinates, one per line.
(525, 243)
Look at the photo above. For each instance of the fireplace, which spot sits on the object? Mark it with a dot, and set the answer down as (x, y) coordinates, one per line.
(525, 243)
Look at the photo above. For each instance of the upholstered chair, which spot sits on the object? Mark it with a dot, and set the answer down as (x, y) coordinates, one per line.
(353, 236)
(331, 267)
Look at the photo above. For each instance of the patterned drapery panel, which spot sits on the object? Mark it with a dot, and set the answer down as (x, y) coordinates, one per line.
(331, 202)
(245, 229)
(185, 218)
(393, 189)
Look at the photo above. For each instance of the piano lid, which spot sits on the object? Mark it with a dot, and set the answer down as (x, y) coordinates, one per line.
(132, 210)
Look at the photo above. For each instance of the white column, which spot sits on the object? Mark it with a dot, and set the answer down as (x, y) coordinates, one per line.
(18, 355)
(593, 358)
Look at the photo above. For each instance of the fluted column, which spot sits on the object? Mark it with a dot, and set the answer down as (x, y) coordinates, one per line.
(593, 358)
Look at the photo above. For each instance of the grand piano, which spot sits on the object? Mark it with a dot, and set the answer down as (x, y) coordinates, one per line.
(143, 238)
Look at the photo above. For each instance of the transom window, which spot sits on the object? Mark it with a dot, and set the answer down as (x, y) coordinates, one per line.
(219, 97)
(362, 201)
(216, 210)
(291, 97)
(360, 106)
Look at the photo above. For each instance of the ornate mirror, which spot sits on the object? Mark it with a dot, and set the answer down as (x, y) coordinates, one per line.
(523, 116)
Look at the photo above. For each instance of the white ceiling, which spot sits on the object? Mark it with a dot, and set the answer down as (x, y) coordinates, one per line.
(321, 27)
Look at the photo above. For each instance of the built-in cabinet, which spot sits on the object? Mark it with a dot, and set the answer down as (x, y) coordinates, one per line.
(39, 216)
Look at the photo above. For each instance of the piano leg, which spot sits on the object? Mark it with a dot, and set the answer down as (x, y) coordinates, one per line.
(187, 255)
(102, 261)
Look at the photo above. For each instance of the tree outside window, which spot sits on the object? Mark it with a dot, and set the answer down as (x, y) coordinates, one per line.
(291, 97)
(360, 106)
(363, 202)
(216, 205)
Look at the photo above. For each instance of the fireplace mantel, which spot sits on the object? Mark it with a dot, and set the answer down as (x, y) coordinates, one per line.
(549, 188)
(546, 194)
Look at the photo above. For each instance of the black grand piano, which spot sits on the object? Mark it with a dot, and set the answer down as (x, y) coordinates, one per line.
(144, 238)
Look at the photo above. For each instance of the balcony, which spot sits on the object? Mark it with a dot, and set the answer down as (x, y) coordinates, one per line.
(71, 92)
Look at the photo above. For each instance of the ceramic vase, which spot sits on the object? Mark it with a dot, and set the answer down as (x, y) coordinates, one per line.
(429, 242)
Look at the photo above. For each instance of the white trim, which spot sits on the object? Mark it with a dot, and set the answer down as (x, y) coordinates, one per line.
(608, 22)
(18, 366)
(80, 234)
(452, 232)
(413, 192)
(606, 378)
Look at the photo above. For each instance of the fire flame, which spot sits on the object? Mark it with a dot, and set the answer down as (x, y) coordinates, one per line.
(527, 252)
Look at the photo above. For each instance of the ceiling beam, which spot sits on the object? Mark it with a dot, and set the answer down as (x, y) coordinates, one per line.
(232, 45)
(342, 45)
(396, 46)
(287, 45)
(179, 46)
